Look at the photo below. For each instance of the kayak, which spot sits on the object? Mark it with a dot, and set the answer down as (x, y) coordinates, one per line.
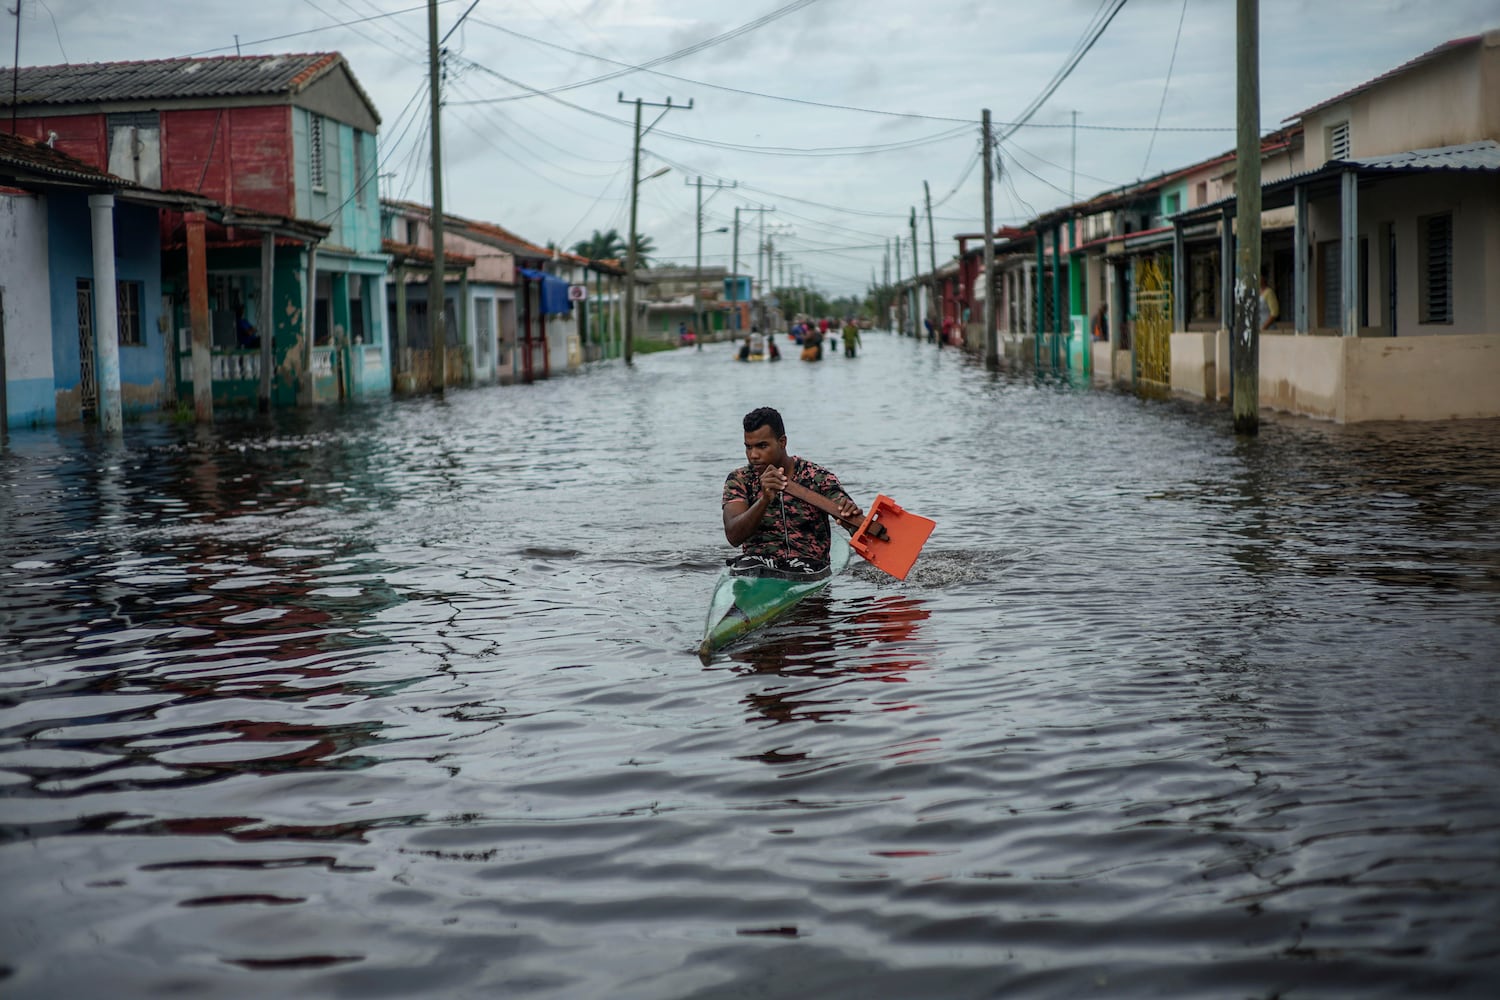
(743, 603)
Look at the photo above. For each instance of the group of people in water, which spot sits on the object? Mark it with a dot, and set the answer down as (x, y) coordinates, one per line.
(810, 335)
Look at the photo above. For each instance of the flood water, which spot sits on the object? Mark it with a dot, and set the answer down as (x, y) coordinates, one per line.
(402, 700)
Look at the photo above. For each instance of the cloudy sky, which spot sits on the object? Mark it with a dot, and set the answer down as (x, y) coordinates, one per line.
(834, 112)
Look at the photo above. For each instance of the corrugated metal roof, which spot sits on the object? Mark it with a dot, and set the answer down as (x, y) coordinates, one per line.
(168, 79)
(25, 156)
(1481, 155)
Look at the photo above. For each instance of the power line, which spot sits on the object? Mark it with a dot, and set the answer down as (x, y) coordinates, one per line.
(1091, 35)
(682, 53)
(928, 116)
(313, 31)
(1165, 85)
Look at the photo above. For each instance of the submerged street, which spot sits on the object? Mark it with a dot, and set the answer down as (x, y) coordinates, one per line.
(402, 699)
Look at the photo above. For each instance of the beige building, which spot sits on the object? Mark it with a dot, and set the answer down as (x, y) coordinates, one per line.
(1392, 307)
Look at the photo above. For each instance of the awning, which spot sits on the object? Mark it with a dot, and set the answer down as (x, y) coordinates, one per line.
(554, 291)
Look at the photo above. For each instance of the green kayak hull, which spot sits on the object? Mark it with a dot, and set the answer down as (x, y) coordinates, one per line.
(742, 604)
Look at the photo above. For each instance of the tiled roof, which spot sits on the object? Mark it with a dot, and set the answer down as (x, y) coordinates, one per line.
(171, 79)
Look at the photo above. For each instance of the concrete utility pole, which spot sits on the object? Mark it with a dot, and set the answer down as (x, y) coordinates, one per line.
(1244, 340)
(991, 337)
(916, 288)
(635, 186)
(932, 306)
(698, 267)
(900, 299)
(436, 291)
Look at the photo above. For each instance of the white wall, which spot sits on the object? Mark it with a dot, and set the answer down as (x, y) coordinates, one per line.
(27, 301)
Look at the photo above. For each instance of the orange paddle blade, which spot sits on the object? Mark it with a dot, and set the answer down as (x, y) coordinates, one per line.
(905, 534)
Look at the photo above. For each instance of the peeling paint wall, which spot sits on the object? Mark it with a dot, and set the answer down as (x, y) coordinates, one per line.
(28, 311)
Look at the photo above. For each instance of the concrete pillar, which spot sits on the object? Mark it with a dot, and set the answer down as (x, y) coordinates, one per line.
(106, 319)
(265, 319)
(1302, 289)
(1349, 252)
(401, 362)
(1179, 279)
(197, 268)
(306, 393)
(1226, 269)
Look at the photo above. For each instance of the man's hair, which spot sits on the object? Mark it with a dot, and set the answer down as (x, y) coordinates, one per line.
(764, 416)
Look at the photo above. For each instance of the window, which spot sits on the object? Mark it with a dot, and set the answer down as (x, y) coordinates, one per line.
(135, 146)
(1330, 285)
(129, 295)
(413, 230)
(315, 152)
(1338, 141)
(1435, 267)
(1202, 193)
(1172, 204)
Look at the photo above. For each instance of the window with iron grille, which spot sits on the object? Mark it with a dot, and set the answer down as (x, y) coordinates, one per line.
(315, 152)
(1338, 141)
(1435, 233)
(1330, 285)
(128, 296)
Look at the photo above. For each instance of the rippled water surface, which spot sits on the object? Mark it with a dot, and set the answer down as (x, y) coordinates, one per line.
(402, 701)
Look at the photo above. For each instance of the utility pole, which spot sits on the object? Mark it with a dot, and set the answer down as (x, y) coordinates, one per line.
(1244, 343)
(698, 267)
(991, 337)
(932, 258)
(899, 298)
(1073, 163)
(437, 292)
(745, 208)
(916, 288)
(635, 185)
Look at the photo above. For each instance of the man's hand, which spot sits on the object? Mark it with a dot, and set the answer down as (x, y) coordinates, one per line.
(849, 511)
(772, 482)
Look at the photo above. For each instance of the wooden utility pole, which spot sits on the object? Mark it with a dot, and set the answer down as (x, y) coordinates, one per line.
(916, 288)
(635, 184)
(1244, 341)
(932, 305)
(991, 337)
(436, 291)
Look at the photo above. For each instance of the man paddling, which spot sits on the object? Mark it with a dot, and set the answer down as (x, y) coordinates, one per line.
(775, 531)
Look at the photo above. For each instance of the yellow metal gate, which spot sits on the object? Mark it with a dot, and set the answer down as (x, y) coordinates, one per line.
(1153, 319)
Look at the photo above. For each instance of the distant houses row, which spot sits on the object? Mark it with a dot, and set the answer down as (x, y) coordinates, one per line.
(1380, 245)
(197, 233)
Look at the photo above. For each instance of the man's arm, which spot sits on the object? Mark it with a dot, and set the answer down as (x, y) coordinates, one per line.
(741, 518)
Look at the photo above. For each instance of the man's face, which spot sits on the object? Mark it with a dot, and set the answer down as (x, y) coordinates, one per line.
(763, 448)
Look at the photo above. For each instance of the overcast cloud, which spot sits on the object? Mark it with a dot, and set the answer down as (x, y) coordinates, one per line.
(556, 168)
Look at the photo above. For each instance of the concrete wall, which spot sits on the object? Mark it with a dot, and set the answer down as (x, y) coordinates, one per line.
(1194, 368)
(1440, 103)
(1426, 378)
(1302, 374)
(27, 304)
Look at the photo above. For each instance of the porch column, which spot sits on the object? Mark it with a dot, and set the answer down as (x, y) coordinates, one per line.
(464, 326)
(1041, 301)
(309, 327)
(1301, 290)
(106, 319)
(1226, 269)
(1179, 284)
(1349, 251)
(1059, 314)
(401, 364)
(266, 318)
(203, 369)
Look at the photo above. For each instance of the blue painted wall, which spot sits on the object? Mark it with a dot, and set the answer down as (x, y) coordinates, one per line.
(70, 256)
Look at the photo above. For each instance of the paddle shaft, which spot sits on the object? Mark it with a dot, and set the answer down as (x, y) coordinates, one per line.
(827, 506)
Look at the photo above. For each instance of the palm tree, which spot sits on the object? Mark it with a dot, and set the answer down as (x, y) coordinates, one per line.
(644, 248)
(608, 245)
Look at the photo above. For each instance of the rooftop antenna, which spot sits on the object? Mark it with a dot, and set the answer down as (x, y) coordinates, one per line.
(236, 43)
(15, 73)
